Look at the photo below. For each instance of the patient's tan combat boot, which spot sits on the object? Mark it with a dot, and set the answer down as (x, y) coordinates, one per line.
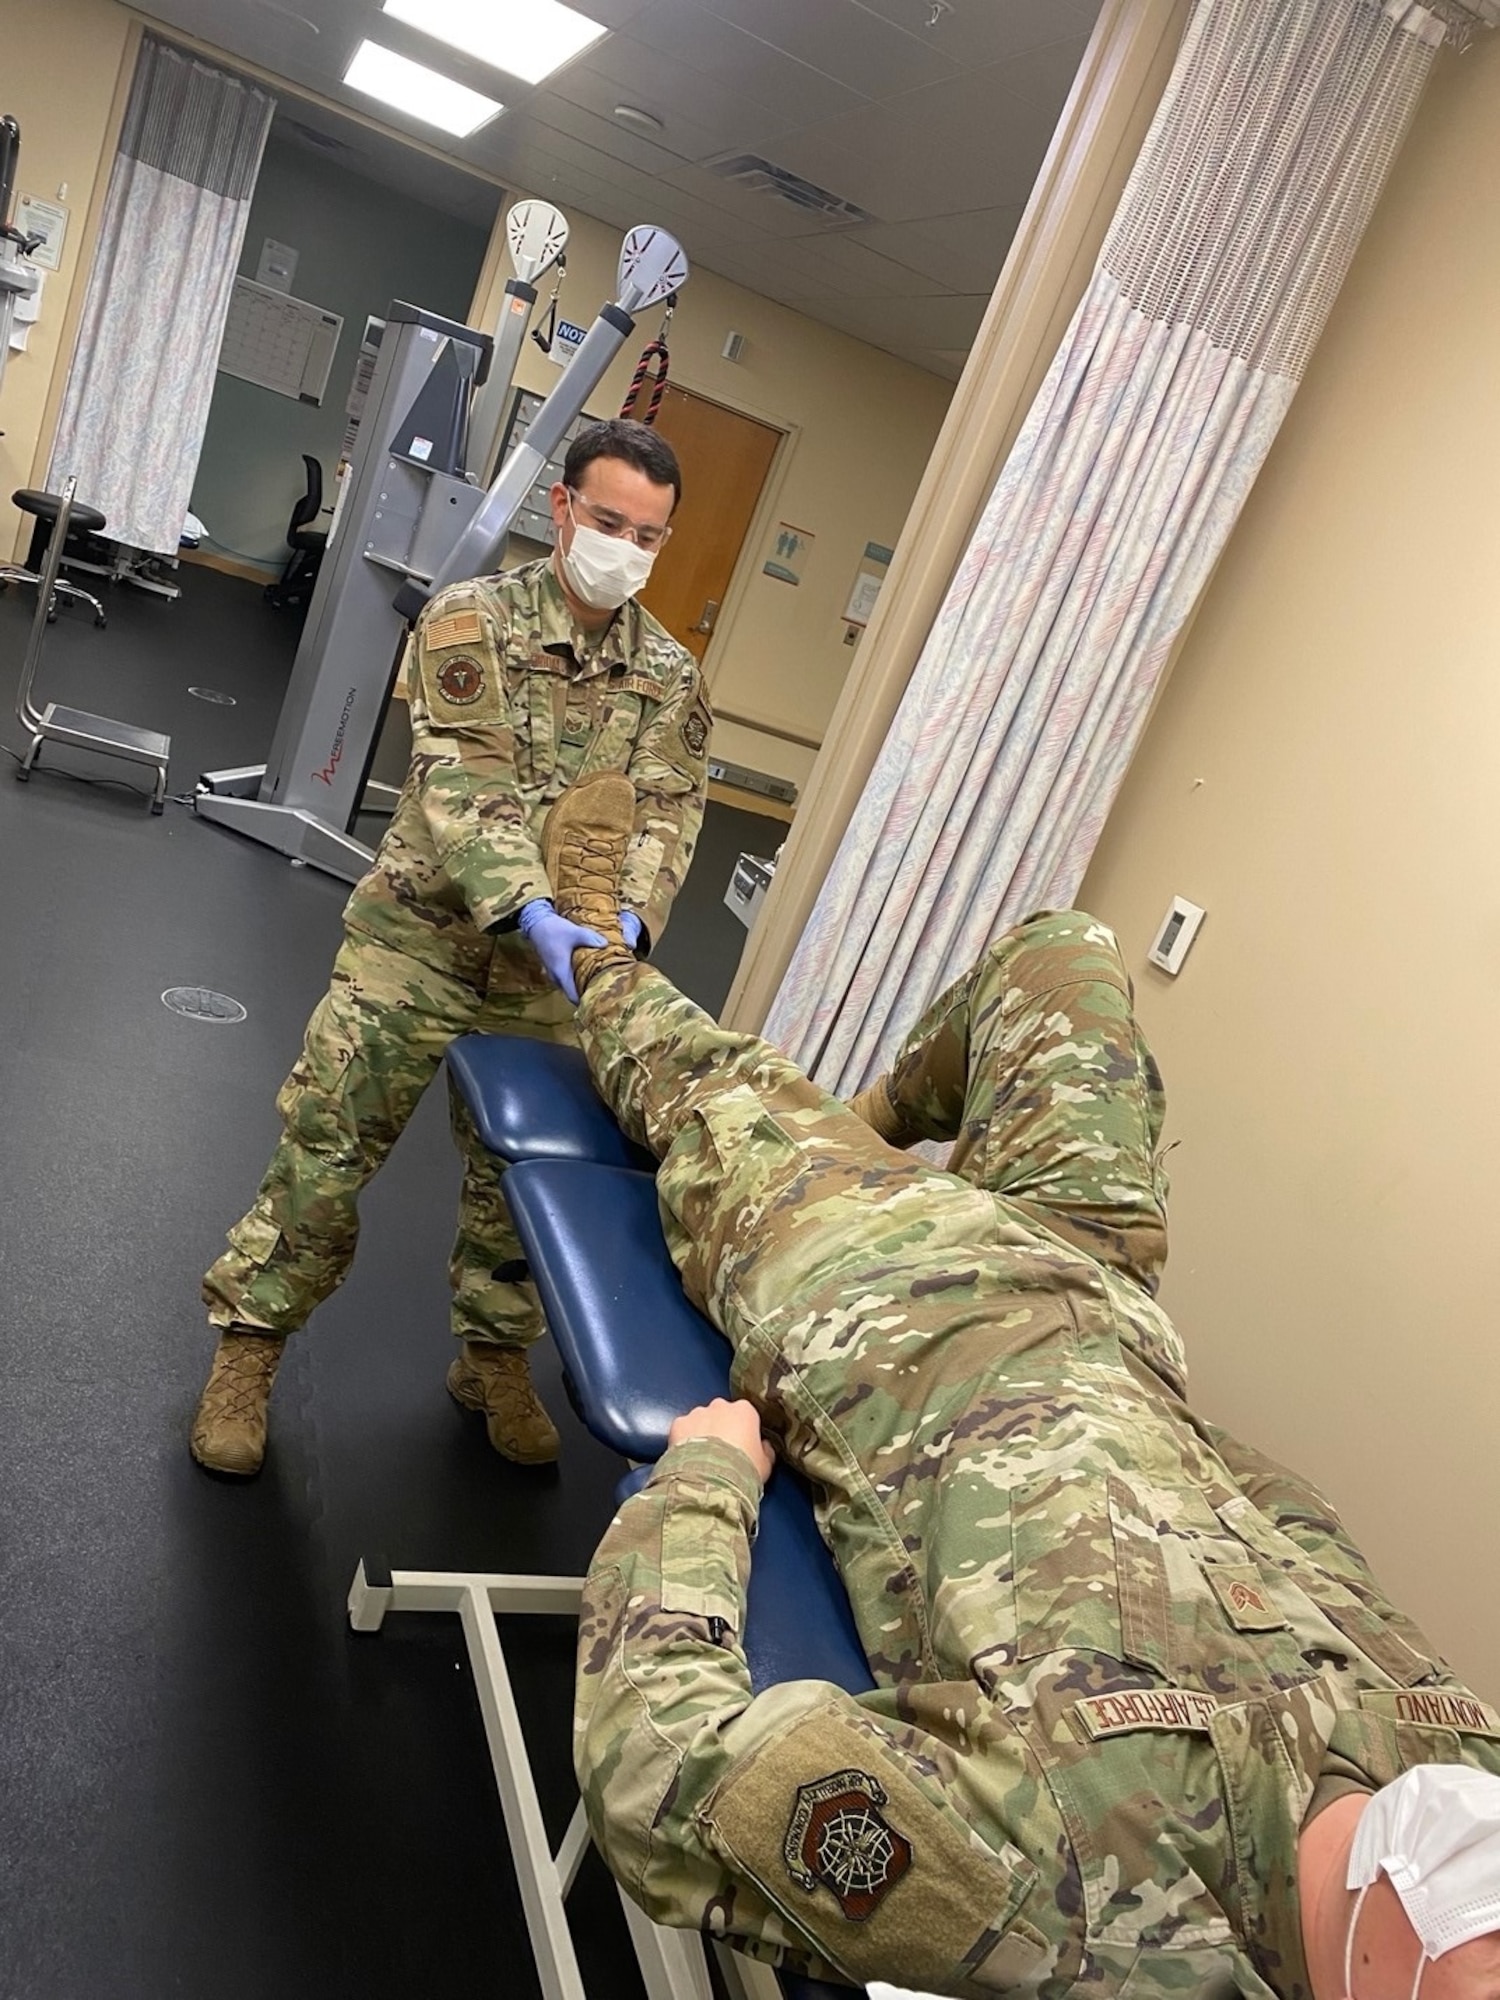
(497, 1382)
(873, 1104)
(583, 850)
(229, 1431)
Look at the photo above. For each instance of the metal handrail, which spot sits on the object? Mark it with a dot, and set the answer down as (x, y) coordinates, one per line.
(29, 716)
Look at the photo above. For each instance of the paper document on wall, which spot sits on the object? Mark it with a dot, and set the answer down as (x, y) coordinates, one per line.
(279, 342)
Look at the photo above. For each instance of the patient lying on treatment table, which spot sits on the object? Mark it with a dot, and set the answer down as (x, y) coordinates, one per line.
(1144, 1723)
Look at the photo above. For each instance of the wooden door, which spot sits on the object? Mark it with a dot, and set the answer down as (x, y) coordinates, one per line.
(725, 458)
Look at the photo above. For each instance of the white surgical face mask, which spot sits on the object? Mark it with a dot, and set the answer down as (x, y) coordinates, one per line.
(603, 570)
(1436, 1834)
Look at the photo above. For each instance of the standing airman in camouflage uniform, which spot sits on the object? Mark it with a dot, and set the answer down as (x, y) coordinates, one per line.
(1120, 1658)
(519, 685)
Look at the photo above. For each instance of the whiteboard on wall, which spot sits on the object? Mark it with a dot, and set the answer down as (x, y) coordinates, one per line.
(279, 342)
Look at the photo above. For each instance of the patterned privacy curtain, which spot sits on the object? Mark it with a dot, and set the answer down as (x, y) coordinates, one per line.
(1270, 148)
(137, 399)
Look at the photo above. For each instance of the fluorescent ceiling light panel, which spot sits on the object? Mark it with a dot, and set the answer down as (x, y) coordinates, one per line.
(525, 38)
(418, 91)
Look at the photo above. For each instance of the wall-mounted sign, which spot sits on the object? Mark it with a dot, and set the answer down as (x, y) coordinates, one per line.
(566, 341)
(47, 219)
(787, 555)
(866, 592)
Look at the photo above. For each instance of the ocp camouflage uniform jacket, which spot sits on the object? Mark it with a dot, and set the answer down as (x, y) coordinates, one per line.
(510, 704)
(1111, 1686)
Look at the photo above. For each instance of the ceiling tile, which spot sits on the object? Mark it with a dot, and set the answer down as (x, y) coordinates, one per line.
(853, 266)
(963, 252)
(908, 323)
(866, 53)
(689, 137)
(603, 135)
(655, 79)
(1043, 76)
(884, 157)
(810, 266)
(764, 212)
(972, 35)
(750, 68)
(766, 279)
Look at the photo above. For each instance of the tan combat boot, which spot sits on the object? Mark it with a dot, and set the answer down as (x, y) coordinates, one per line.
(497, 1381)
(873, 1104)
(229, 1431)
(583, 850)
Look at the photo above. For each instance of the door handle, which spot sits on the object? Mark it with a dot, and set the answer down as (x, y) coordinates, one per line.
(707, 617)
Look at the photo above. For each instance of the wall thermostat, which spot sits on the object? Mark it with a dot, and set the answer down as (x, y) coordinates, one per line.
(1178, 929)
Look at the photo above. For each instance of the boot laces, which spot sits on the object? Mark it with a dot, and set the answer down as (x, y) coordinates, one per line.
(241, 1379)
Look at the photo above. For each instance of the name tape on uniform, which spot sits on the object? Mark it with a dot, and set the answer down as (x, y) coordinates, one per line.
(1436, 1708)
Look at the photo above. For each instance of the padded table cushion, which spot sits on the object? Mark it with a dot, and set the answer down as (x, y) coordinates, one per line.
(535, 1101)
(637, 1352)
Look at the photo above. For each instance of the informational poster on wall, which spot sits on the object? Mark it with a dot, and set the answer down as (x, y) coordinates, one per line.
(279, 343)
(866, 592)
(49, 221)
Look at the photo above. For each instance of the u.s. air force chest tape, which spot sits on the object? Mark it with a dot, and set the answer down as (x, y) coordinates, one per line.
(456, 662)
(885, 1878)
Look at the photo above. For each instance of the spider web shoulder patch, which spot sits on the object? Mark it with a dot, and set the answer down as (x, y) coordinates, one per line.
(839, 1839)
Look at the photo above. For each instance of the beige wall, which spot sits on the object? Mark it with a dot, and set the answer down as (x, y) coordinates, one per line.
(1323, 774)
(861, 428)
(62, 65)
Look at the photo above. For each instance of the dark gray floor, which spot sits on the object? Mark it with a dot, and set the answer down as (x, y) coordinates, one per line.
(207, 1785)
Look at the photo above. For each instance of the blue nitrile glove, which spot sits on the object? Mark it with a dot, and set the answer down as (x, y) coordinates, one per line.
(632, 926)
(554, 940)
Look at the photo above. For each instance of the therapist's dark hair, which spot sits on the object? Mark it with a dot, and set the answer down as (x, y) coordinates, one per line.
(637, 444)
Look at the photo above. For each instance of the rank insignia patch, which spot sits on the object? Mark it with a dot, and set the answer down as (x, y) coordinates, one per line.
(460, 680)
(695, 732)
(839, 1839)
(1240, 1589)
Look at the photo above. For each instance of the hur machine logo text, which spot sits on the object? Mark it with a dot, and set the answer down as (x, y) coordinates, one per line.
(336, 755)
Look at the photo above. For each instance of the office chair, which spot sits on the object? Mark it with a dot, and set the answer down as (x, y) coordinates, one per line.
(294, 587)
(43, 507)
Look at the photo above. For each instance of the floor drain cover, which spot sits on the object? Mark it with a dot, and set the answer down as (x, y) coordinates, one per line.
(199, 1004)
(213, 695)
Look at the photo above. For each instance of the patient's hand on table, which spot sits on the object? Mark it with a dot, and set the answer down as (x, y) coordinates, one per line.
(736, 1422)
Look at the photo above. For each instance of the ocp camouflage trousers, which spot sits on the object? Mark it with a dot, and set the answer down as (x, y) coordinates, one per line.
(374, 1043)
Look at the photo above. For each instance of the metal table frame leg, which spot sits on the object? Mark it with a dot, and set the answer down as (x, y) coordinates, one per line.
(672, 1962)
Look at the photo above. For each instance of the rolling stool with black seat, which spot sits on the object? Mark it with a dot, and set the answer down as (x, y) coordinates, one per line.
(83, 520)
(294, 587)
